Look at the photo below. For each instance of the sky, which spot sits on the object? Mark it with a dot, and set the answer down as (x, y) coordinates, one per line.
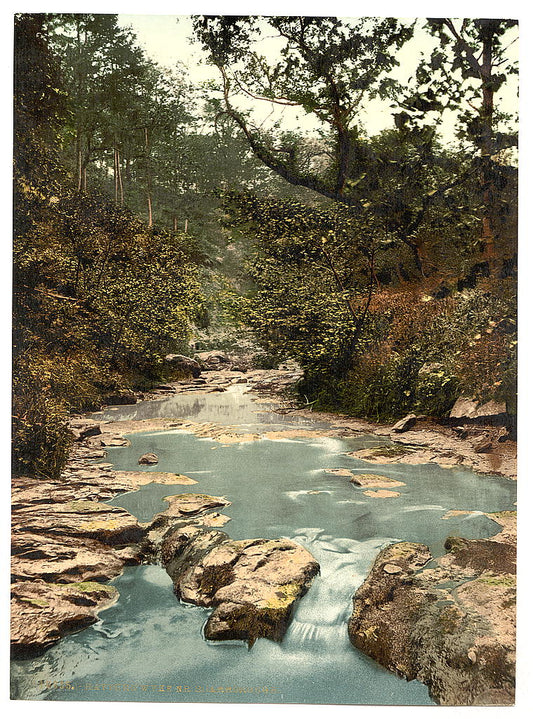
(165, 39)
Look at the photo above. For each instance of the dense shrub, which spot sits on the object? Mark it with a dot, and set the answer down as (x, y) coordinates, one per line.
(41, 438)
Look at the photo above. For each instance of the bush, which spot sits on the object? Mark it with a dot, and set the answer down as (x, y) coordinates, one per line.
(41, 438)
(436, 390)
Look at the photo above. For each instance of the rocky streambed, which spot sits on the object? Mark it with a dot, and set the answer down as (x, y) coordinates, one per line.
(320, 490)
(66, 542)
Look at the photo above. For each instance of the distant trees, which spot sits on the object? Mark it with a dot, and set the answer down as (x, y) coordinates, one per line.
(99, 296)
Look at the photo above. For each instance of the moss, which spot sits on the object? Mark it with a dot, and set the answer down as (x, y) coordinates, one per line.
(455, 544)
(102, 525)
(390, 451)
(284, 596)
(89, 588)
(83, 505)
(506, 514)
(503, 580)
(35, 602)
(450, 619)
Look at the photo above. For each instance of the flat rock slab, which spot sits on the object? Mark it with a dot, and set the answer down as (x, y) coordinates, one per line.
(449, 624)
(108, 439)
(383, 455)
(79, 518)
(63, 560)
(375, 480)
(185, 505)
(380, 493)
(43, 612)
(340, 472)
(139, 479)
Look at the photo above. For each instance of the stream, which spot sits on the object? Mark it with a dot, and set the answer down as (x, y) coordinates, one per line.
(150, 647)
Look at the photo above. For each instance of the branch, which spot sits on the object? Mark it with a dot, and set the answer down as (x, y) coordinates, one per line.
(275, 100)
(469, 54)
(268, 158)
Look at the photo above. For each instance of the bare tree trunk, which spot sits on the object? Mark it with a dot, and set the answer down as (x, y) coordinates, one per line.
(487, 150)
(119, 174)
(148, 177)
(115, 172)
(79, 164)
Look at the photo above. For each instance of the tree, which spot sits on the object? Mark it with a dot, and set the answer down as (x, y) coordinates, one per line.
(329, 68)
(326, 67)
(479, 55)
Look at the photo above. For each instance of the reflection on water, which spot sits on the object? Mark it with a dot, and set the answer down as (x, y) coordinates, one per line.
(149, 646)
(234, 406)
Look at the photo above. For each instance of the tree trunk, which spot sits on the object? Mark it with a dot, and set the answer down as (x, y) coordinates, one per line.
(487, 149)
(79, 163)
(148, 177)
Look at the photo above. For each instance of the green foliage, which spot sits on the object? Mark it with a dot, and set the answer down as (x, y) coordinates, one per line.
(98, 297)
(41, 438)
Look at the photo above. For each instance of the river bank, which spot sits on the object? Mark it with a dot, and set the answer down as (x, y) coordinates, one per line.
(86, 542)
(486, 448)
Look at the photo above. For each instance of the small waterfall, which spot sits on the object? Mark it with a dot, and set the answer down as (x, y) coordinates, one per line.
(321, 617)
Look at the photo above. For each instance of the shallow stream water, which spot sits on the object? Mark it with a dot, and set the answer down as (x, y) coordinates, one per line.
(150, 647)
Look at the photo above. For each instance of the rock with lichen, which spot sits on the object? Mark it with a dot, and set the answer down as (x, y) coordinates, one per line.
(44, 612)
(449, 623)
(253, 584)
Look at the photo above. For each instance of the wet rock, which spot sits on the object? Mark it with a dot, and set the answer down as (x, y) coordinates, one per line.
(185, 505)
(82, 428)
(148, 458)
(43, 612)
(60, 560)
(480, 555)
(450, 624)
(381, 493)
(108, 439)
(382, 455)
(132, 480)
(213, 361)
(122, 397)
(182, 364)
(375, 480)
(253, 584)
(482, 445)
(164, 388)
(405, 423)
(79, 518)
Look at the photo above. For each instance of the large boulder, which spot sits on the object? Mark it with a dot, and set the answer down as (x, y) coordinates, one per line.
(81, 428)
(183, 365)
(449, 624)
(213, 361)
(253, 584)
(467, 410)
(404, 424)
